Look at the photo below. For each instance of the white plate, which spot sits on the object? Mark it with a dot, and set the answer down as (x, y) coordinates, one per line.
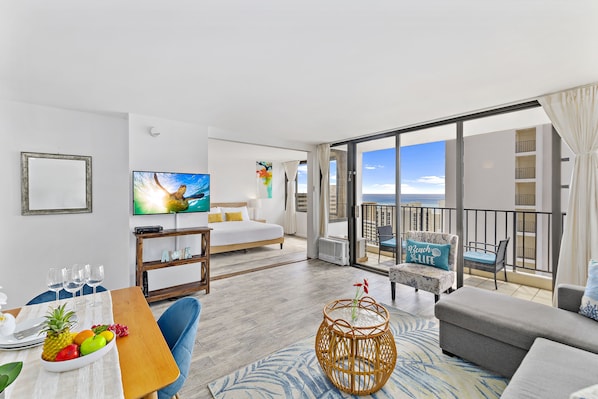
(66, 365)
(20, 348)
(10, 342)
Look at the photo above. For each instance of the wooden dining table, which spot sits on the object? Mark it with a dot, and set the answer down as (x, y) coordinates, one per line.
(146, 362)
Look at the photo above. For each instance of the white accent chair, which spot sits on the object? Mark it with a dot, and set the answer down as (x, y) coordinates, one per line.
(424, 277)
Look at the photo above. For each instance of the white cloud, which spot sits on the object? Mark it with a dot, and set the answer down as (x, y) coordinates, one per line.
(438, 180)
(373, 167)
(407, 189)
(379, 189)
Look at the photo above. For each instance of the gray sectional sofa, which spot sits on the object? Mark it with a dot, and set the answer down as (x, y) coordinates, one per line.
(547, 352)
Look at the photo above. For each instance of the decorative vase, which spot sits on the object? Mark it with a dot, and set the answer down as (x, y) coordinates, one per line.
(354, 310)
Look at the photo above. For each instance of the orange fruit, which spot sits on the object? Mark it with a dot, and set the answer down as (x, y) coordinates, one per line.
(82, 336)
(109, 335)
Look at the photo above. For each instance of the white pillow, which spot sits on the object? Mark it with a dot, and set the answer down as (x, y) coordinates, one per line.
(242, 209)
(586, 393)
(215, 210)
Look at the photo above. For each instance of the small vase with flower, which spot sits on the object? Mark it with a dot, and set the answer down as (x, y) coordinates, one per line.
(361, 289)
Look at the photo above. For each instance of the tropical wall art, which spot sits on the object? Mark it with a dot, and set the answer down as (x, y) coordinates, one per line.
(263, 171)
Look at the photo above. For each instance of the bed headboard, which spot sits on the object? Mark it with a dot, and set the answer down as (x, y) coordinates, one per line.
(228, 204)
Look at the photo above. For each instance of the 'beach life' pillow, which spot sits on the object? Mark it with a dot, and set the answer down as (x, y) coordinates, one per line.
(589, 301)
(425, 253)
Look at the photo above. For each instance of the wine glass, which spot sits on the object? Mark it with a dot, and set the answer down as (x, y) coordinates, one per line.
(85, 270)
(96, 276)
(73, 280)
(55, 280)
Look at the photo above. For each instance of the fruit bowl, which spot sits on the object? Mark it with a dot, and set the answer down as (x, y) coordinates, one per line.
(66, 365)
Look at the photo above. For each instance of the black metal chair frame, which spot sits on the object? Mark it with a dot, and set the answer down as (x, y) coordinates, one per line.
(385, 233)
(500, 262)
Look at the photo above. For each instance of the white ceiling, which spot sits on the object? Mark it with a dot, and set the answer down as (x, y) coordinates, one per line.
(294, 73)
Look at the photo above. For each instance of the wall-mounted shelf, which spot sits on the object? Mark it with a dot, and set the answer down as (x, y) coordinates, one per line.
(203, 259)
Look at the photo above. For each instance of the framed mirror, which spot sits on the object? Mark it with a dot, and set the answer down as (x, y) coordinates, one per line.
(55, 183)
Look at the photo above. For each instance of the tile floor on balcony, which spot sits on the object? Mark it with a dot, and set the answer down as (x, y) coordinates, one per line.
(516, 290)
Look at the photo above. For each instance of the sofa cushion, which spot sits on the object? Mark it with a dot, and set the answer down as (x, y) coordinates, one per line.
(552, 370)
(589, 301)
(515, 321)
(422, 277)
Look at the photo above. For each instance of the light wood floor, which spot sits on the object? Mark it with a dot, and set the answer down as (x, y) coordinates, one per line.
(247, 317)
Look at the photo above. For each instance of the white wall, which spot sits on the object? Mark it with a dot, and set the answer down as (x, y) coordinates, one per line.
(180, 147)
(32, 244)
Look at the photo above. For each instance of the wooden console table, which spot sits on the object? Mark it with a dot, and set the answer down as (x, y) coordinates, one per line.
(203, 258)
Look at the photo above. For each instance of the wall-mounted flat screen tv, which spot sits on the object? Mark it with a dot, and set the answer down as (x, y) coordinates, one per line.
(163, 192)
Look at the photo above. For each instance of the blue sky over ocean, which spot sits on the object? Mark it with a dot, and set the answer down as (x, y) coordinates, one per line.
(422, 170)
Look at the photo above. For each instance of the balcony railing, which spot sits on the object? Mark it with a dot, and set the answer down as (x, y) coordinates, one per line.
(525, 199)
(525, 173)
(482, 225)
(525, 146)
(526, 223)
(528, 253)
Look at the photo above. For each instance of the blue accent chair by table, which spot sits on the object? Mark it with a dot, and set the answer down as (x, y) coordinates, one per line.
(179, 324)
(49, 296)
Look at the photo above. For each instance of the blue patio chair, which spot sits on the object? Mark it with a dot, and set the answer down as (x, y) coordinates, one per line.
(49, 296)
(487, 257)
(386, 240)
(179, 326)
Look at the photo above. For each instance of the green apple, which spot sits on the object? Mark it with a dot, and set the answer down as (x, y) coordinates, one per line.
(92, 344)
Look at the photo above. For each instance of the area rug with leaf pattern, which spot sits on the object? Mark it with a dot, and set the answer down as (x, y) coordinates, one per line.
(421, 371)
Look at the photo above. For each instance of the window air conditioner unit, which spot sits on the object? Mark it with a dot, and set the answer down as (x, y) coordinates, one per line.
(334, 250)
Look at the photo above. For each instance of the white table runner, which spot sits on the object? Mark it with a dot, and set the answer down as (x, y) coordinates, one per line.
(99, 380)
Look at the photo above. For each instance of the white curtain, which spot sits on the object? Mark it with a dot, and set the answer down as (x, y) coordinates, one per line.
(574, 114)
(323, 152)
(290, 216)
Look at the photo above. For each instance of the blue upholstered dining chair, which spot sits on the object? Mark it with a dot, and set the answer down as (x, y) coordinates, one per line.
(179, 327)
(50, 296)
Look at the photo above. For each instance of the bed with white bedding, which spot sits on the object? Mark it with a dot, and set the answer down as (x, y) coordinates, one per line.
(240, 234)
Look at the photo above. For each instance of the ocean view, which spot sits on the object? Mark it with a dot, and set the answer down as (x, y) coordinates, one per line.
(427, 200)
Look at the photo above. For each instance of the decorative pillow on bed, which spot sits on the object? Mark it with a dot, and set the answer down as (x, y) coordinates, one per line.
(214, 217)
(234, 216)
(428, 254)
(242, 209)
(589, 301)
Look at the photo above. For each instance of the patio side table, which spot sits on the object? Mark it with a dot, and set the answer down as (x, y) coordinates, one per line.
(357, 356)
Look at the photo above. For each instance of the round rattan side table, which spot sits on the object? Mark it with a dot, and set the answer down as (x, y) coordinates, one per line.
(357, 356)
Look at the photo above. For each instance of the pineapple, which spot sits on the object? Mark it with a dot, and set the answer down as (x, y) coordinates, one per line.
(58, 334)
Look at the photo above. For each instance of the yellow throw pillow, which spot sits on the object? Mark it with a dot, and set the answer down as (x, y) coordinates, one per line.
(214, 217)
(234, 216)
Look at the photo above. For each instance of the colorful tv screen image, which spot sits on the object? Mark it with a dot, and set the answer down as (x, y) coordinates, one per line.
(161, 192)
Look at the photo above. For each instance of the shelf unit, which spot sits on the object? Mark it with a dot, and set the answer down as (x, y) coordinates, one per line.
(203, 258)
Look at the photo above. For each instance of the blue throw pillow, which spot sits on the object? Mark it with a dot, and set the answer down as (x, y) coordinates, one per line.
(589, 301)
(424, 253)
